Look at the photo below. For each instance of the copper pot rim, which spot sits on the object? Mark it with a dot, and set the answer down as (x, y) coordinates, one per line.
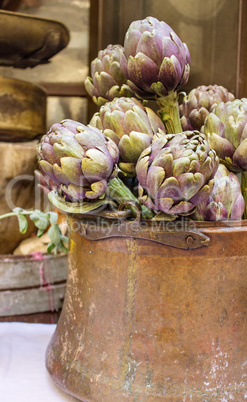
(126, 215)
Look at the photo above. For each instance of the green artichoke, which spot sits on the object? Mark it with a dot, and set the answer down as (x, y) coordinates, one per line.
(225, 202)
(199, 103)
(157, 60)
(131, 126)
(226, 131)
(176, 173)
(108, 79)
(77, 160)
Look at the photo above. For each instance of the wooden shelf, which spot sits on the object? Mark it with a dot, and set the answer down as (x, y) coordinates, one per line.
(64, 89)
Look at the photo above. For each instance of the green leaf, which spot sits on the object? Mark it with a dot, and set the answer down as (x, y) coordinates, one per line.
(50, 247)
(40, 219)
(65, 239)
(53, 217)
(23, 224)
(55, 234)
(63, 248)
(40, 232)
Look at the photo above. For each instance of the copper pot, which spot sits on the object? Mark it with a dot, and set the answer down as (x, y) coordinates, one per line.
(147, 321)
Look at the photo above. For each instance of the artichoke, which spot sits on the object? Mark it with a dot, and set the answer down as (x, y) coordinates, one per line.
(108, 79)
(226, 131)
(131, 126)
(176, 173)
(78, 160)
(157, 60)
(199, 103)
(225, 202)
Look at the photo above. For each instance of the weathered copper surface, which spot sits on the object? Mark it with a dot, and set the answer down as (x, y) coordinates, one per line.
(143, 321)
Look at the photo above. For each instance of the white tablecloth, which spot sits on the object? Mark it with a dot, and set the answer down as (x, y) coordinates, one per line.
(23, 375)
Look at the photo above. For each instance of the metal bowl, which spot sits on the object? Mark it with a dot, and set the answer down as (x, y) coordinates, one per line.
(22, 110)
(29, 41)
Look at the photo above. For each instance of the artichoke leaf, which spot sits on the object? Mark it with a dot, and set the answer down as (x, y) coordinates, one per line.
(162, 216)
(77, 207)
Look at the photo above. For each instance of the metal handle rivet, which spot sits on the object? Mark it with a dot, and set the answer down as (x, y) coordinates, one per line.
(189, 240)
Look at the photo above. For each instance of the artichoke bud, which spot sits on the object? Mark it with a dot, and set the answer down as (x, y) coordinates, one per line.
(131, 126)
(225, 201)
(157, 60)
(176, 173)
(82, 160)
(108, 76)
(226, 131)
(199, 102)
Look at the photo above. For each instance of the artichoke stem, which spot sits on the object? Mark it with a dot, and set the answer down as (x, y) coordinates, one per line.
(119, 192)
(244, 191)
(169, 113)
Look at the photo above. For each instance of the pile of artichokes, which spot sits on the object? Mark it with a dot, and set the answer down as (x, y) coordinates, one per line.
(141, 145)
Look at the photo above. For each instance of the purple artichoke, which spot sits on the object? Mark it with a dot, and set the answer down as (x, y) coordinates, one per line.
(157, 60)
(226, 131)
(199, 103)
(176, 173)
(78, 160)
(130, 125)
(108, 79)
(225, 202)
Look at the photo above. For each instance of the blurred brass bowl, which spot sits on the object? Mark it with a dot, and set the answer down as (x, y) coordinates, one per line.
(11, 5)
(28, 41)
(22, 110)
